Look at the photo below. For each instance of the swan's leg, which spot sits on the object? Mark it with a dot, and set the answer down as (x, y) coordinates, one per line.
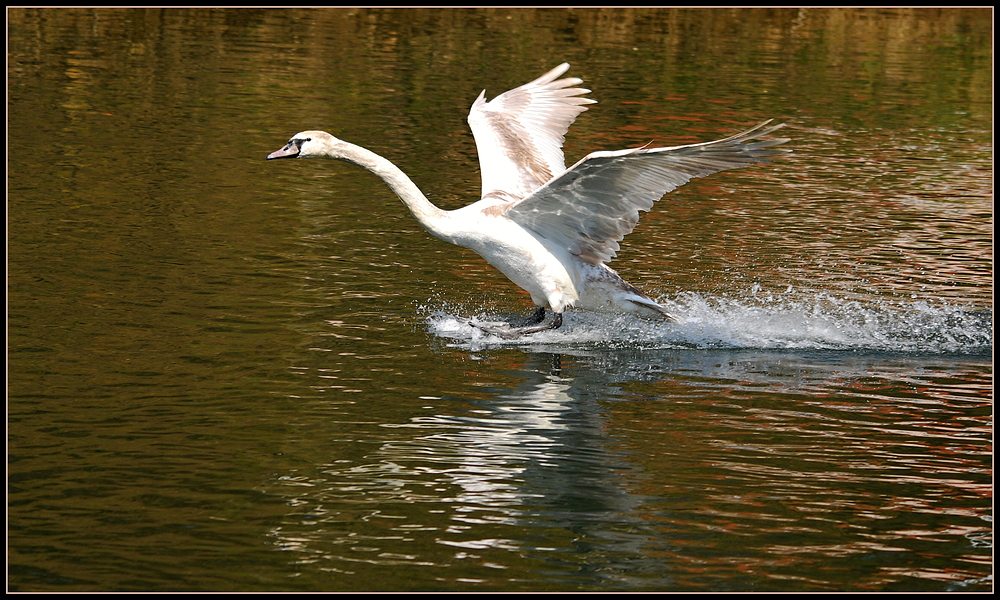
(537, 317)
(555, 323)
(511, 333)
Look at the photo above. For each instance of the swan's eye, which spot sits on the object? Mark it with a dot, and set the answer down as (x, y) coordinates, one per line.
(309, 139)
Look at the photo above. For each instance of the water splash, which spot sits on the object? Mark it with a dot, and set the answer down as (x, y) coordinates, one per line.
(786, 321)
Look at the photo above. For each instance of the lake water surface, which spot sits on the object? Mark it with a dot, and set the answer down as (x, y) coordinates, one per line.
(232, 374)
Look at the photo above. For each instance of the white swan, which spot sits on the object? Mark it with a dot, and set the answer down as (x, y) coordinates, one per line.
(547, 228)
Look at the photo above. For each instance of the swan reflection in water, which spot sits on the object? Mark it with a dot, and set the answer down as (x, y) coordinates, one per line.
(535, 455)
(550, 229)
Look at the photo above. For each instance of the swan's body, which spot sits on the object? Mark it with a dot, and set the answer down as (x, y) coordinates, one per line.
(547, 228)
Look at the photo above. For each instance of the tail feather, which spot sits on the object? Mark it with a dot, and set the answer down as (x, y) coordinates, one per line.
(606, 291)
(648, 304)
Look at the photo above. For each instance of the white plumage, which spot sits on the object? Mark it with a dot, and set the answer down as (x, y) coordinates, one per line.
(547, 228)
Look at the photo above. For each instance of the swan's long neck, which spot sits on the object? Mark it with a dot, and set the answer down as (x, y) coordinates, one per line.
(434, 220)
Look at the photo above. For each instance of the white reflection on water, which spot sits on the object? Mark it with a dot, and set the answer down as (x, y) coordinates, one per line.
(533, 459)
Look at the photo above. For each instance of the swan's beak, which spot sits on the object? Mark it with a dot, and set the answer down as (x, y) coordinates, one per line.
(289, 151)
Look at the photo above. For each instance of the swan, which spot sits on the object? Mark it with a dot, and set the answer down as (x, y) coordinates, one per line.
(550, 229)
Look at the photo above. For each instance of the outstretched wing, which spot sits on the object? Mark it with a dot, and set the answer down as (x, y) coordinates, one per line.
(519, 134)
(590, 207)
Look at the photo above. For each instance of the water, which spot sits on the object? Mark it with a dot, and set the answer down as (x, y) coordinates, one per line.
(228, 374)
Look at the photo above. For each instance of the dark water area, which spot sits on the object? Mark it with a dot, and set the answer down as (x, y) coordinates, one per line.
(227, 374)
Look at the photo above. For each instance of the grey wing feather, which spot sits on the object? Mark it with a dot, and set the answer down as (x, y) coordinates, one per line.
(591, 206)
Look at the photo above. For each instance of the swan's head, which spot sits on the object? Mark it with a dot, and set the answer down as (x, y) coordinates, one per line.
(307, 144)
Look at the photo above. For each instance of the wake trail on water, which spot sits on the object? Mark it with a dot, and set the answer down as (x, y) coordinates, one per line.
(772, 322)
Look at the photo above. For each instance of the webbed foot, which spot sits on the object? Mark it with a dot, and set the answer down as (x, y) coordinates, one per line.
(536, 323)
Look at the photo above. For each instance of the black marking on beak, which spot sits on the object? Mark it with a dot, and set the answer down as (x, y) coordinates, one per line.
(291, 150)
